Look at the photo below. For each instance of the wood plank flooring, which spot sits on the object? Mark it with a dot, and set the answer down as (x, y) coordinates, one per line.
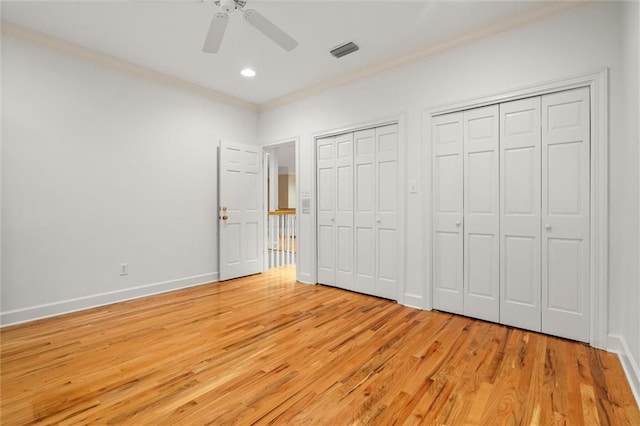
(267, 350)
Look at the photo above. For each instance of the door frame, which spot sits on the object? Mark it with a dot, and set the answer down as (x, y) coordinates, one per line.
(265, 202)
(598, 83)
(400, 120)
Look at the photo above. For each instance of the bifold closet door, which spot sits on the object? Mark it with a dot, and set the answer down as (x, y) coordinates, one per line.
(511, 185)
(326, 230)
(565, 214)
(481, 214)
(387, 201)
(520, 262)
(447, 137)
(344, 211)
(376, 211)
(466, 213)
(365, 211)
(335, 210)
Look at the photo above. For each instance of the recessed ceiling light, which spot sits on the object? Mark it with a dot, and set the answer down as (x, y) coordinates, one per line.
(248, 72)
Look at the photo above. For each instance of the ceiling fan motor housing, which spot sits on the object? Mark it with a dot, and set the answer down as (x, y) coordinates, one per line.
(230, 6)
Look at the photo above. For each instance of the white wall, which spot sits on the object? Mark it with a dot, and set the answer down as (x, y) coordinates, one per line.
(575, 42)
(101, 168)
(631, 72)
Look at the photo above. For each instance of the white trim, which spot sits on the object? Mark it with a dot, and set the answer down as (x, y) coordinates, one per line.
(294, 139)
(597, 81)
(265, 208)
(47, 310)
(426, 209)
(312, 275)
(618, 345)
(413, 301)
(535, 13)
(395, 119)
(305, 278)
(401, 120)
(113, 62)
(403, 201)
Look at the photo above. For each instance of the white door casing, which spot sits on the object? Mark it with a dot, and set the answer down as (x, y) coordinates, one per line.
(240, 210)
(481, 214)
(520, 213)
(447, 169)
(565, 214)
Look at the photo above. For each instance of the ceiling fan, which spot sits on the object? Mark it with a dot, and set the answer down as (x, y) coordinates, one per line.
(221, 19)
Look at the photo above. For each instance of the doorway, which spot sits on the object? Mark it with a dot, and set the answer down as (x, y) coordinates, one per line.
(281, 221)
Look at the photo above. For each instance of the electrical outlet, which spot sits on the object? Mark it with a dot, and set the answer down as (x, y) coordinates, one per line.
(124, 269)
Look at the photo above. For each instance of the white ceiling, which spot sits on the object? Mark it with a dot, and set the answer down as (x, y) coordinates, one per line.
(167, 36)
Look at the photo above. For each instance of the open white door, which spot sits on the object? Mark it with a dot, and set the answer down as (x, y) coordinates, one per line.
(240, 212)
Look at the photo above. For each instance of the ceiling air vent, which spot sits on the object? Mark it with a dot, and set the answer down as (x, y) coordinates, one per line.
(344, 49)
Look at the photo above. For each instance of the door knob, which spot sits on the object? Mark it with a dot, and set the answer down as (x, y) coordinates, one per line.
(458, 223)
(379, 220)
(225, 217)
(547, 226)
(224, 209)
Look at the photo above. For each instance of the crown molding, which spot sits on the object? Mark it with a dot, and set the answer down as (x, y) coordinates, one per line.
(113, 62)
(538, 12)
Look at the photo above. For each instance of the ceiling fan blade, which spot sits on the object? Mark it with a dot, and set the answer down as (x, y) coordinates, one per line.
(216, 33)
(270, 29)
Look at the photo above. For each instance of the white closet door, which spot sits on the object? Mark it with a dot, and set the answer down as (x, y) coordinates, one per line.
(565, 214)
(364, 215)
(520, 214)
(481, 214)
(387, 202)
(447, 213)
(344, 249)
(326, 193)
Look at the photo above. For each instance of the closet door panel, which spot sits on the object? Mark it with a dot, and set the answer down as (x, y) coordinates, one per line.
(481, 214)
(447, 137)
(565, 214)
(520, 262)
(364, 214)
(344, 249)
(387, 201)
(326, 231)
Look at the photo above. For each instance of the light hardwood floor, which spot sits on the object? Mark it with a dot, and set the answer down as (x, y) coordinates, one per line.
(265, 349)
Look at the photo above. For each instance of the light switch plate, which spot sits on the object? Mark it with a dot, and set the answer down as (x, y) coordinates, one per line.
(413, 187)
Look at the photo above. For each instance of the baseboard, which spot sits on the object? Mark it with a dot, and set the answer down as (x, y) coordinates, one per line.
(47, 310)
(413, 301)
(619, 345)
(305, 278)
